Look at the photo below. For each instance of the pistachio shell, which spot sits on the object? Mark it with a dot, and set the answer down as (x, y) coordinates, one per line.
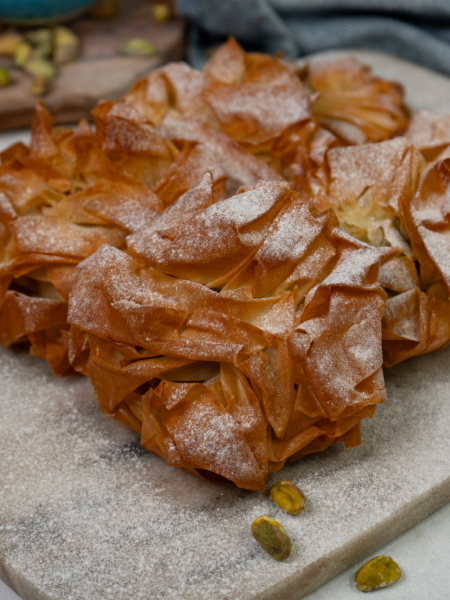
(161, 12)
(66, 46)
(138, 47)
(4, 77)
(8, 43)
(272, 537)
(379, 572)
(288, 497)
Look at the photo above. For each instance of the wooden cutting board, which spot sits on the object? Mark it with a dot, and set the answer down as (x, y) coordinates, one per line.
(101, 71)
(86, 514)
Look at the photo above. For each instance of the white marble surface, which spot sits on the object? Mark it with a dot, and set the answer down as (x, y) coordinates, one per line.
(6, 592)
(423, 553)
(85, 515)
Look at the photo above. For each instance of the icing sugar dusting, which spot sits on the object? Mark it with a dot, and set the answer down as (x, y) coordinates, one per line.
(260, 103)
(365, 173)
(238, 164)
(219, 230)
(428, 129)
(50, 235)
(219, 444)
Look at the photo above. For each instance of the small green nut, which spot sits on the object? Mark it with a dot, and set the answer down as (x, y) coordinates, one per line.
(4, 77)
(272, 537)
(39, 53)
(67, 45)
(288, 497)
(9, 42)
(40, 68)
(138, 47)
(161, 12)
(41, 41)
(39, 37)
(379, 572)
(22, 53)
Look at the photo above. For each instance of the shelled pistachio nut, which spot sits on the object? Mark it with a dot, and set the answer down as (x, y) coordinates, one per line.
(41, 40)
(138, 47)
(160, 12)
(66, 45)
(379, 572)
(22, 53)
(288, 497)
(272, 537)
(40, 68)
(4, 77)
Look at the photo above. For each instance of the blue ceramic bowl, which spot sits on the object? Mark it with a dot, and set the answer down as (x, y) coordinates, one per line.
(36, 12)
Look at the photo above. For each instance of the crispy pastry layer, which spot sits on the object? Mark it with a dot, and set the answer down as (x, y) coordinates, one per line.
(218, 307)
(245, 334)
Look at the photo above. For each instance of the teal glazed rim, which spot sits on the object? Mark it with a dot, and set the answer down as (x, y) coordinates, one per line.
(40, 12)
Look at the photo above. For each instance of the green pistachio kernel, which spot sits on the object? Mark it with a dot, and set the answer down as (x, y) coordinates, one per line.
(272, 538)
(379, 572)
(42, 42)
(22, 53)
(4, 77)
(161, 12)
(67, 45)
(39, 37)
(138, 47)
(40, 68)
(288, 497)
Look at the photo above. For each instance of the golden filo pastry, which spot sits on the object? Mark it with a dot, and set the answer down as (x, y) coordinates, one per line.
(430, 133)
(242, 335)
(75, 190)
(283, 114)
(231, 255)
(68, 194)
(78, 189)
(352, 103)
(174, 98)
(383, 194)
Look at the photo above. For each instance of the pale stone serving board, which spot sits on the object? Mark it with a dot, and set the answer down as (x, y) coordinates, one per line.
(86, 514)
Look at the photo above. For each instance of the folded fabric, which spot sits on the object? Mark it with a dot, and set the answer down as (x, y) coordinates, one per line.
(418, 30)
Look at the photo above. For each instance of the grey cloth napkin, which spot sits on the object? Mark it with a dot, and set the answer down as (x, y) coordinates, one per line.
(418, 30)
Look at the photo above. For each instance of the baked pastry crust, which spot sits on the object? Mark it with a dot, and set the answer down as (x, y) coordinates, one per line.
(253, 242)
(245, 334)
(68, 194)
